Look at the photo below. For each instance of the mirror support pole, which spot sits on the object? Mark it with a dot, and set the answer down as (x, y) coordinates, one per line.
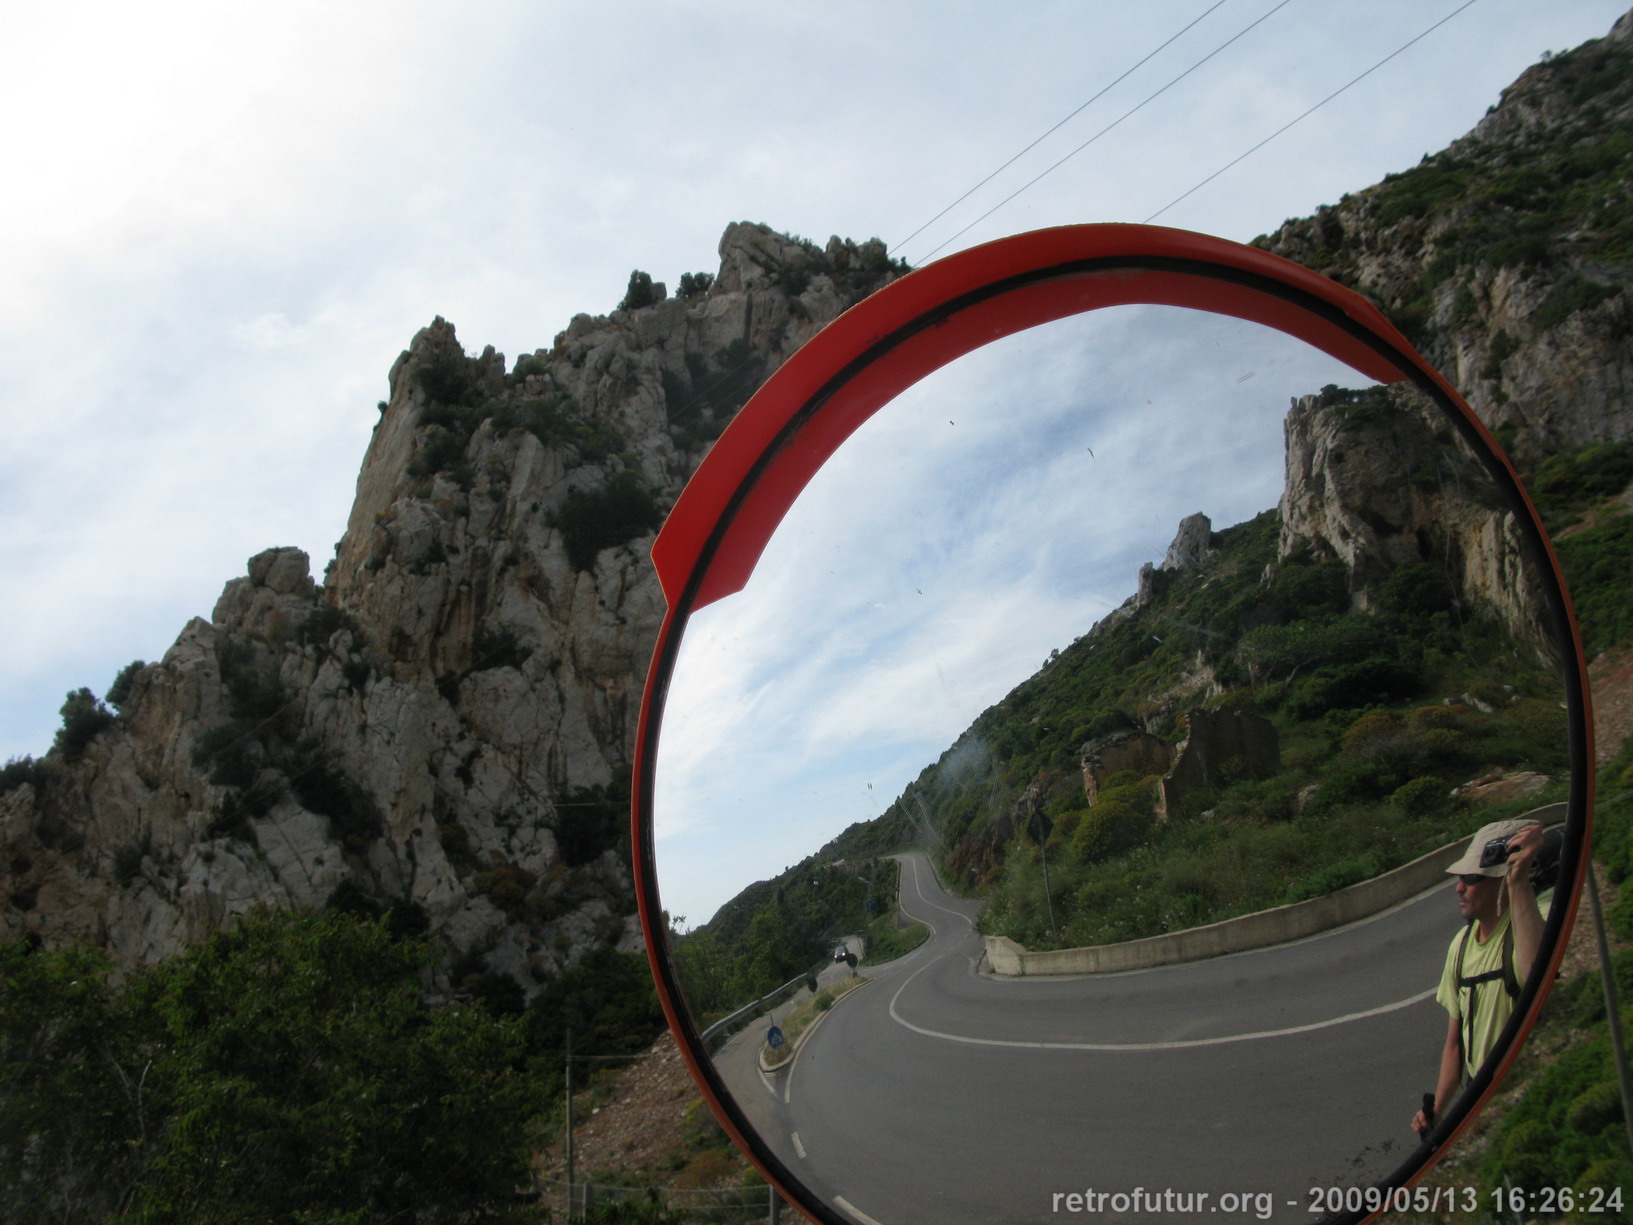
(570, 1213)
(1612, 1012)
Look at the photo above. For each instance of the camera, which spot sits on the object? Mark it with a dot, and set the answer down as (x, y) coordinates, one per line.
(1544, 869)
(1494, 852)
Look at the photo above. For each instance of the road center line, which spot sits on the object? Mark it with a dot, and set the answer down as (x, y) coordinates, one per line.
(919, 889)
(1178, 1044)
(798, 1147)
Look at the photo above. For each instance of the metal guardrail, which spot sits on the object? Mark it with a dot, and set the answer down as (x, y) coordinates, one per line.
(723, 1028)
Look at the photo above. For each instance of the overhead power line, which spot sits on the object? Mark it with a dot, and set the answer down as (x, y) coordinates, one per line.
(1126, 114)
(1102, 93)
(1312, 110)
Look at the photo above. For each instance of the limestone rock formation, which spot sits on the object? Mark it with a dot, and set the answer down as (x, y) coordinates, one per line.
(1503, 257)
(445, 726)
(1344, 498)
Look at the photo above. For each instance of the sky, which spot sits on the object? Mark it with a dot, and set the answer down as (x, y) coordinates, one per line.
(224, 222)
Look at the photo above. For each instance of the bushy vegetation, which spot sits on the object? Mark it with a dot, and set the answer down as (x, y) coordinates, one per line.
(642, 291)
(1571, 481)
(776, 930)
(591, 821)
(1597, 564)
(694, 285)
(287, 1070)
(456, 406)
(604, 517)
(83, 716)
(119, 691)
(260, 755)
(19, 770)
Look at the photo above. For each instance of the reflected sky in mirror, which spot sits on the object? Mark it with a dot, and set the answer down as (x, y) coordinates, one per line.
(988, 516)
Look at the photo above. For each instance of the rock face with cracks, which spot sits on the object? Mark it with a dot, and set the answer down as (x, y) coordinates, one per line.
(444, 726)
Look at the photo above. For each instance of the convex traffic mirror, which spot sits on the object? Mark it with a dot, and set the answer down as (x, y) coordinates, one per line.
(1083, 662)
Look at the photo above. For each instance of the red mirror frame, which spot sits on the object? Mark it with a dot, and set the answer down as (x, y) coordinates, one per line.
(720, 525)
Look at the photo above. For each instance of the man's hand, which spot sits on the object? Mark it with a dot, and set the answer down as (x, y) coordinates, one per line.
(1522, 852)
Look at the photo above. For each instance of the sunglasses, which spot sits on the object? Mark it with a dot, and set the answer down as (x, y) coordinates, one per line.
(1475, 878)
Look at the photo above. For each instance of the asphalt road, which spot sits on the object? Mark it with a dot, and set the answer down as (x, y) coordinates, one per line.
(937, 1094)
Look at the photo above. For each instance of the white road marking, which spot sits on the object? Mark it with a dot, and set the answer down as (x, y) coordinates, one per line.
(1179, 1044)
(798, 1147)
(855, 1212)
(919, 889)
(764, 1079)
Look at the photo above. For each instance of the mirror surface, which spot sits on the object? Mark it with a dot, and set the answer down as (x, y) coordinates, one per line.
(994, 663)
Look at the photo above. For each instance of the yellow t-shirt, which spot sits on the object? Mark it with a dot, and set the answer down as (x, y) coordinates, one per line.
(1492, 1005)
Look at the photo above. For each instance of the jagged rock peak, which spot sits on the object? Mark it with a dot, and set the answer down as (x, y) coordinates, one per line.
(1192, 543)
(445, 727)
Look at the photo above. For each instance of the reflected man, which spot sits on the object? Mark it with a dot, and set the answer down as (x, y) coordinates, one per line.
(1490, 959)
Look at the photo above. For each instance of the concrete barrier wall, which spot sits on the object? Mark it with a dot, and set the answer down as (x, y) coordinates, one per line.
(1260, 930)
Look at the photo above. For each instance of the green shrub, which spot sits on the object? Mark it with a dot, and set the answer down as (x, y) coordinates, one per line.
(1595, 1108)
(1577, 479)
(1416, 590)
(694, 284)
(497, 646)
(1351, 686)
(1597, 564)
(255, 692)
(322, 625)
(1422, 796)
(322, 788)
(82, 718)
(642, 292)
(447, 379)
(1109, 828)
(1569, 296)
(1351, 782)
(17, 771)
(443, 450)
(232, 753)
(119, 691)
(1309, 590)
(597, 519)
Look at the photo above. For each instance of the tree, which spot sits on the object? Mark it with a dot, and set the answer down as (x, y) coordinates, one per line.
(694, 284)
(119, 691)
(288, 1070)
(642, 291)
(82, 718)
(72, 1119)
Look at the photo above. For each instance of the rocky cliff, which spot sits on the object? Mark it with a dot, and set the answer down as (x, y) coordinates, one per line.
(1380, 480)
(1506, 256)
(444, 726)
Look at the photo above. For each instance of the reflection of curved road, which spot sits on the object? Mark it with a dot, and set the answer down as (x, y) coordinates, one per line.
(938, 1094)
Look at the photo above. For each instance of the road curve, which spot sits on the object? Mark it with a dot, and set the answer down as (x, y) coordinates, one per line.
(938, 1094)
